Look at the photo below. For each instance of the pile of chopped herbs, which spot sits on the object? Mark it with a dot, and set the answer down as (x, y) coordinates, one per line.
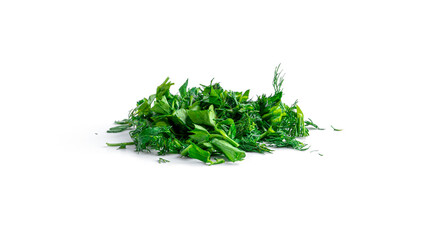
(214, 125)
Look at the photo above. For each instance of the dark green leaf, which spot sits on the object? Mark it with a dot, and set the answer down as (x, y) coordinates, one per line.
(193, 151)
(163, 89)
(162, 106)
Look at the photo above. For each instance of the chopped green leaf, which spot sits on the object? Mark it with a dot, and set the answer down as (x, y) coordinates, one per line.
(232, 153)
(163, 89)
(162, 106)
(194, 151)
(203, 117)
(162, 160)
(117, 129)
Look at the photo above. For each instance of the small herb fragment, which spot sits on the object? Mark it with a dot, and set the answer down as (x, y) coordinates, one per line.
(311, 123)
(335, 129)
(120, 145)
(162, 160)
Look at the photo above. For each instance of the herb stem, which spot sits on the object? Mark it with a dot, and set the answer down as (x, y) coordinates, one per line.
(120, 144)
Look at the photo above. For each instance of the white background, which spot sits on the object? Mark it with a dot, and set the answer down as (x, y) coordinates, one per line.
(68, 69)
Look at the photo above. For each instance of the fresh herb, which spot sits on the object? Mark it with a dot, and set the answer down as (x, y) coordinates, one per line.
(214, 125)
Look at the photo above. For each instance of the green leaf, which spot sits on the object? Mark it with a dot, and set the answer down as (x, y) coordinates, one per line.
(122, 122)
(214, 97)
(117, 129)
(200, 134)
(203, 117)
(163, 88)
(161, 107)
(232, 153)
(183, 89)
(143, 107)
(179, 117)
(244, 97)
(231, 131)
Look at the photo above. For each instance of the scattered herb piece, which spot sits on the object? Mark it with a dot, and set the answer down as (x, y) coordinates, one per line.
(162, 160)
(214, 125)
(120, 145)
(311, 123)
(335, 129)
